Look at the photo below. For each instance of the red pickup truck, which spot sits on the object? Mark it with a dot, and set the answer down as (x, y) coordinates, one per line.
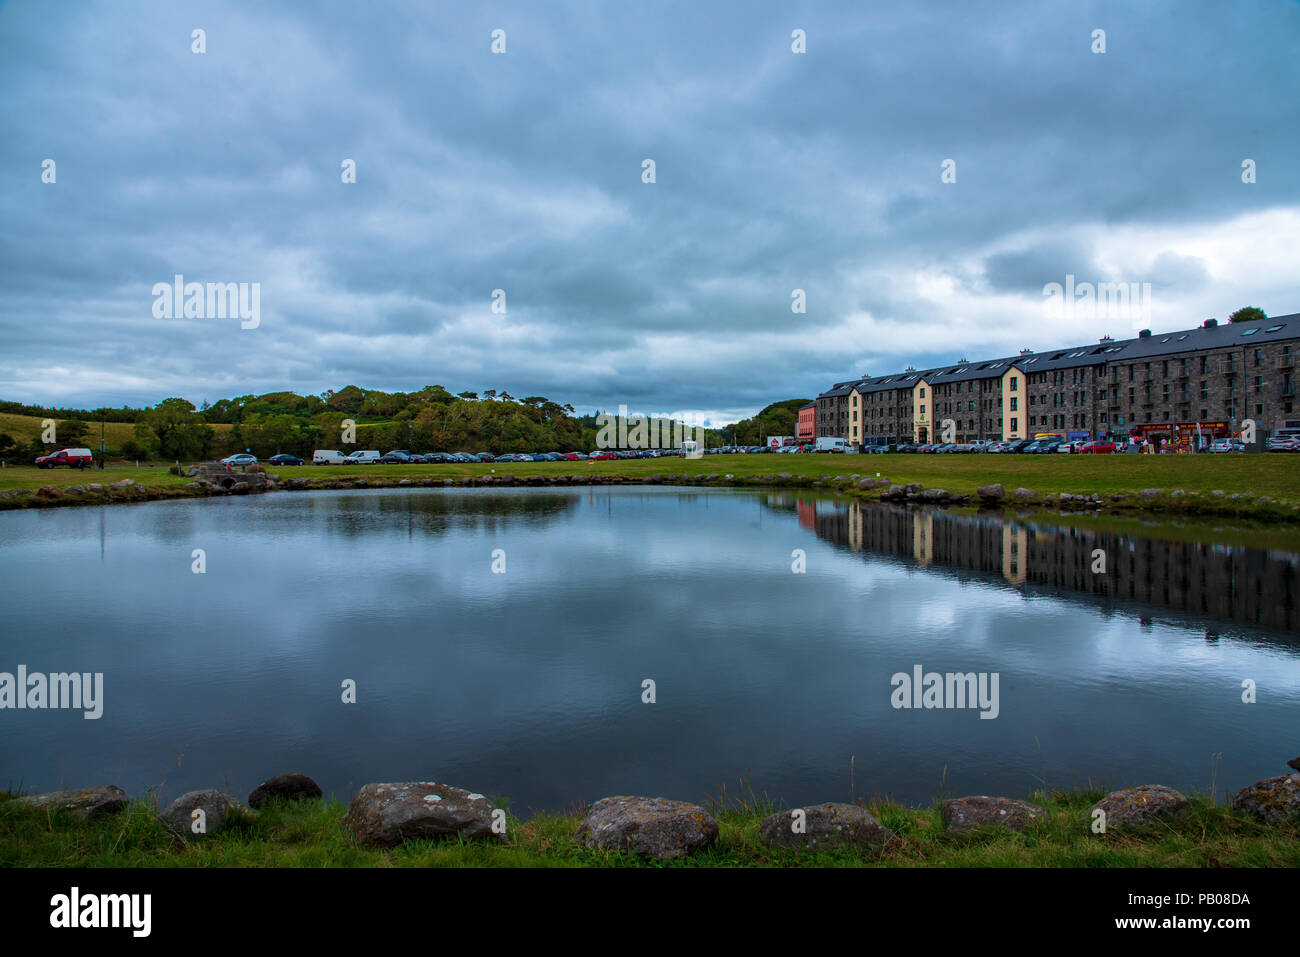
(73, 458)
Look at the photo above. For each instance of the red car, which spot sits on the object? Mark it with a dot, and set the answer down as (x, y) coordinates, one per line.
(1100, 447)
(601, 456)
(73, 458)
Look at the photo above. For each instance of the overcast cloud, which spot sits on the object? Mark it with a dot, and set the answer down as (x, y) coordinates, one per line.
(522, 171)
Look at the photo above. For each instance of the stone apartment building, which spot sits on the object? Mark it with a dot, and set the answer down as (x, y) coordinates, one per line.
(1154, 386)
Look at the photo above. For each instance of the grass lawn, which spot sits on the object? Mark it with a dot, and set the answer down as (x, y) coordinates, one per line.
(312, 834)
(1276, 475)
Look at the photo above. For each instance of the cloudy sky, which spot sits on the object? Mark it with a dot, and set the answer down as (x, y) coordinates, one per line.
(523, 171)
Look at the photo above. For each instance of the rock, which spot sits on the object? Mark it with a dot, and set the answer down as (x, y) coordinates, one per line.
(74, 490)
(893, 493)
(840, 478)
(49, 491)
(913, 488)
(867, 483)
(785, 475)
(284, 787)
(969, 813)
(1177, 493)
(360, 483)
(1272, 800)
(216, 805)
(89, 803)
(991, 493)
(655, 827)
(1143, 806)
(404, 482)
(385, 815)
(1150, 493)
(297, 483)
(824, 826)
(95, 487)
(1026, 494)
(934, 495)
(1294, 763)
(1217, 493)
(125, 483)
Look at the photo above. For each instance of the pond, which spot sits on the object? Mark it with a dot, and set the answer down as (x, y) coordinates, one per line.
(553, 646)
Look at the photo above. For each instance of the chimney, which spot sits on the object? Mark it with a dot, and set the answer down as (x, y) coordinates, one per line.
(962, 362)
(1144, 334)
(1209, 323)
(910, 369)
(1026, 352)
(1105, 339)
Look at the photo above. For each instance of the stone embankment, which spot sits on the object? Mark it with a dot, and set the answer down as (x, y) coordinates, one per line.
(385, 815)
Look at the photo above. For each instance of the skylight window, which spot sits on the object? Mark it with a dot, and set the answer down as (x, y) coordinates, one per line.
(1275, 328)
(1250, 332)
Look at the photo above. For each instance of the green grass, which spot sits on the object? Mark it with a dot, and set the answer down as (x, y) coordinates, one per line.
(312, 834)
(1276, 476)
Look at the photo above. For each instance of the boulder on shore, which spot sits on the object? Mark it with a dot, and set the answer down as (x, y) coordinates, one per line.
(284, 787)
(965, 814)
(1272, 800)
(991, 493)
(1144, 806)
(824, 826)
(179, 817)
(655, 827)
(385, 815)
(89, 803)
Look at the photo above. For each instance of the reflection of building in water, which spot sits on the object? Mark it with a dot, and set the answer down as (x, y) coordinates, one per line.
(1230, 583)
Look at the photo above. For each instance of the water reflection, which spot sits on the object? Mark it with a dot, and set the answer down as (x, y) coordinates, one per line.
(1224, 583)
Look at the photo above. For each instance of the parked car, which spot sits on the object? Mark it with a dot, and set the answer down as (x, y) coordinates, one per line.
(601, 455)
(327, 457)
(1227, 445)
(395, 457)
(239, 460)
(1018, 445)
(284, 458)
(1099, 447)
(363, 457)
(464, 458)
(1283, 443)
(72, 458)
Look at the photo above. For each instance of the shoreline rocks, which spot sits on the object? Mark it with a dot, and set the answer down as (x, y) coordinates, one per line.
(89, 804)
(824, 827)
(1142, 807)
(1273, 800)
(385, 815)
(654, 827)
(217, 806)
(965, 814)
(284, 787)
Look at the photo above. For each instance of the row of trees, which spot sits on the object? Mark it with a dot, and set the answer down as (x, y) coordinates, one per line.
(430, 420)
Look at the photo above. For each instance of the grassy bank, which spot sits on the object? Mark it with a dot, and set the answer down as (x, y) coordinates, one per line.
(312, 834)
(1273, 478)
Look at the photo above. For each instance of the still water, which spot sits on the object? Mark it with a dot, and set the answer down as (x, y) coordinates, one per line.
(527, 682)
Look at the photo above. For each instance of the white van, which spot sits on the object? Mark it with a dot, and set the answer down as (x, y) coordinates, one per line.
(368, 457)
(327, 457)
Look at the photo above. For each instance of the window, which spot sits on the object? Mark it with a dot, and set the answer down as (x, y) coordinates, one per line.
(1275, 328)
(922, 396)
(1250, 332)
(1013, 386)
(1015, 423)
(1014, 406)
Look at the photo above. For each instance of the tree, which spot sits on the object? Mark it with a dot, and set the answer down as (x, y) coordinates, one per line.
(174, 430)
(1248, 314)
